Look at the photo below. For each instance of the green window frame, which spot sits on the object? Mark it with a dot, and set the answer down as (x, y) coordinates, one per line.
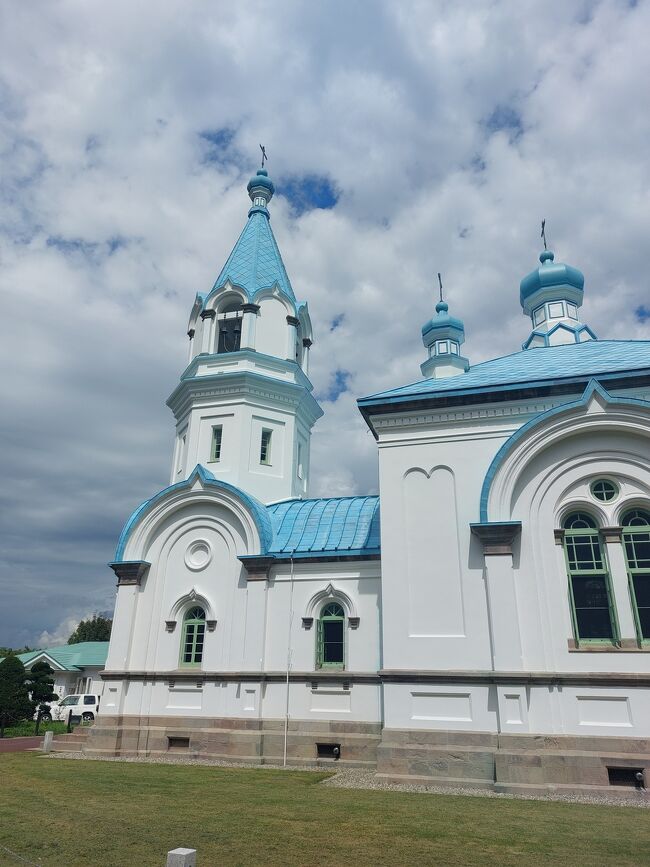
(590, 594)
(636, 544)
(330, 637)
(193, 637)
(265, 446)
(217, 438)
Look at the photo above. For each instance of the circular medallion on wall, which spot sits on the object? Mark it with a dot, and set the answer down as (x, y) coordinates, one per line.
(198, 555)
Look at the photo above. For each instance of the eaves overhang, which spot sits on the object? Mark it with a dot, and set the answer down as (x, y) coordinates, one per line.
(509, 392)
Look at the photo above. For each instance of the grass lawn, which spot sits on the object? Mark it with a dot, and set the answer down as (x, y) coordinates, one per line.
(26, 729)
(58, 812)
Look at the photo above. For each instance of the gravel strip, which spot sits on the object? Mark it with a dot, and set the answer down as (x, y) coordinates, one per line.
(360, 778)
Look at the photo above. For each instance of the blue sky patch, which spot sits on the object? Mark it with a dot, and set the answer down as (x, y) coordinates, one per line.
(309, 192)
(216, 146)
(505, 118)
(338, 319)
(642, 313)
(339, 382)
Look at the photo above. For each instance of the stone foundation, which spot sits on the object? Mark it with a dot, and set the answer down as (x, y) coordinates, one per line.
(517, 764)
(235, 739)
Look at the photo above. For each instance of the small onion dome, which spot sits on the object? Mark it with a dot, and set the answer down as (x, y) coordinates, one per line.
(443, 326)
(261, 185)
(550, 281)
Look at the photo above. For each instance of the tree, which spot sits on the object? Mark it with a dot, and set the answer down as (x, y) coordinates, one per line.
(15, 703)
(12, 651)
(98, 628)
(41, 686)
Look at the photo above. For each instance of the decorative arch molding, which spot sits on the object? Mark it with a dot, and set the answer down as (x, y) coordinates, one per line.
(227, 291)
(331, 594)
(305, 322)
(428, 473)
(629, 504)
(195, 313)
(192, 597)
(595, 410)
(275, 293)
(200, 486)
(579, 504)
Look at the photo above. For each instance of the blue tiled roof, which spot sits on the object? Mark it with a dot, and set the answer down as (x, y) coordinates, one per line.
(339, 525)
(531, 366)
(255, 262)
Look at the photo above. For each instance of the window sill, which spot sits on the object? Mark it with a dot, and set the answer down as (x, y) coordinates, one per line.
(626, 645)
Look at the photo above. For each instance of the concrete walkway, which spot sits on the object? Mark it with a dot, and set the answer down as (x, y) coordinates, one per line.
(18, 745)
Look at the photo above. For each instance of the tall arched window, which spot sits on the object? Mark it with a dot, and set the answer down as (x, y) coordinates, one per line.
(636, 540)
(589, 586)
(330, 647)
(193, 636)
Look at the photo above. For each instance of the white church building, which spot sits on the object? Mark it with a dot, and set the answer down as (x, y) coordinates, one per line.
(493, 630)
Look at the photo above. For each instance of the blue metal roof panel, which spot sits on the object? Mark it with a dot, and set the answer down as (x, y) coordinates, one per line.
(255, 262)
(591, 358)
(325, 526)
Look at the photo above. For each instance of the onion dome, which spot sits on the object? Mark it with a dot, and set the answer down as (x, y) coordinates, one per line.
(443, 325)
(260, 189)
(551, 296)
(551, 281)
(443, 336)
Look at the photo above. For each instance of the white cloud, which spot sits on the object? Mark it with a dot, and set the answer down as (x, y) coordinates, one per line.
(111, 219)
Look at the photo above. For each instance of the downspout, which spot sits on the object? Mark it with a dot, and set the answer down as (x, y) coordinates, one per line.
(286, 710)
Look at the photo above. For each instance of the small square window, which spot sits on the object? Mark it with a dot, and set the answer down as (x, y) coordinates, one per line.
(572, 311)
(454, 347)
(538, 315)
(556, 310)
(265, 447)
(443, 347)
(217, 436)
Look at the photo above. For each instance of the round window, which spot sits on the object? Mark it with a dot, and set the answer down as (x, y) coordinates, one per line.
(604, 490)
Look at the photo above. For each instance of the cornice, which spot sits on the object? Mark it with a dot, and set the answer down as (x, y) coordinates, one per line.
(244, 383)
(443, 417)
(406, 676)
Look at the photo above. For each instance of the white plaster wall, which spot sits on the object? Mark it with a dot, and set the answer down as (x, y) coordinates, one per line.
(361, 583)
(440, 707)
(271, 328)
(433, 589)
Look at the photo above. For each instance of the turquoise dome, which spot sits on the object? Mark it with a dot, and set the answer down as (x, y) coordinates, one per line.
(261, 179)
(452, 327)
(568, 280)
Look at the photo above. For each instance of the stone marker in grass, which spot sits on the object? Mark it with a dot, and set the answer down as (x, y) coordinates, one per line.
(181, 858)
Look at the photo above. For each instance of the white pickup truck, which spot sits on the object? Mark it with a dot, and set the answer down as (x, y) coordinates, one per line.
(86, 706)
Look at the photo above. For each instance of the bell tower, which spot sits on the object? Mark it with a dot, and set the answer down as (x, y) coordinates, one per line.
(244, 406)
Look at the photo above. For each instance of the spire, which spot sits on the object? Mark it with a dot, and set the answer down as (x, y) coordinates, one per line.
(443, 336)
(255, 262)
(551, 296)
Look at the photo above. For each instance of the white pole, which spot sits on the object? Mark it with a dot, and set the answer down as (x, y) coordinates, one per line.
(286, 710)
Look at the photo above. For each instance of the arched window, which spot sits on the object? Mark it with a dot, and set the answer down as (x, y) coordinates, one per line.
(589, 586)
(229, 325)
(636, 541)
(193, 637)
(330, 648)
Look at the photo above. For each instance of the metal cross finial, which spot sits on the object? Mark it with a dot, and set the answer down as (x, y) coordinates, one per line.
(543, 235)
(264, 156)
(440, 284)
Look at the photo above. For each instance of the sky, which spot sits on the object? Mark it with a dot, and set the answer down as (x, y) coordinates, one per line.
(403, 139)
